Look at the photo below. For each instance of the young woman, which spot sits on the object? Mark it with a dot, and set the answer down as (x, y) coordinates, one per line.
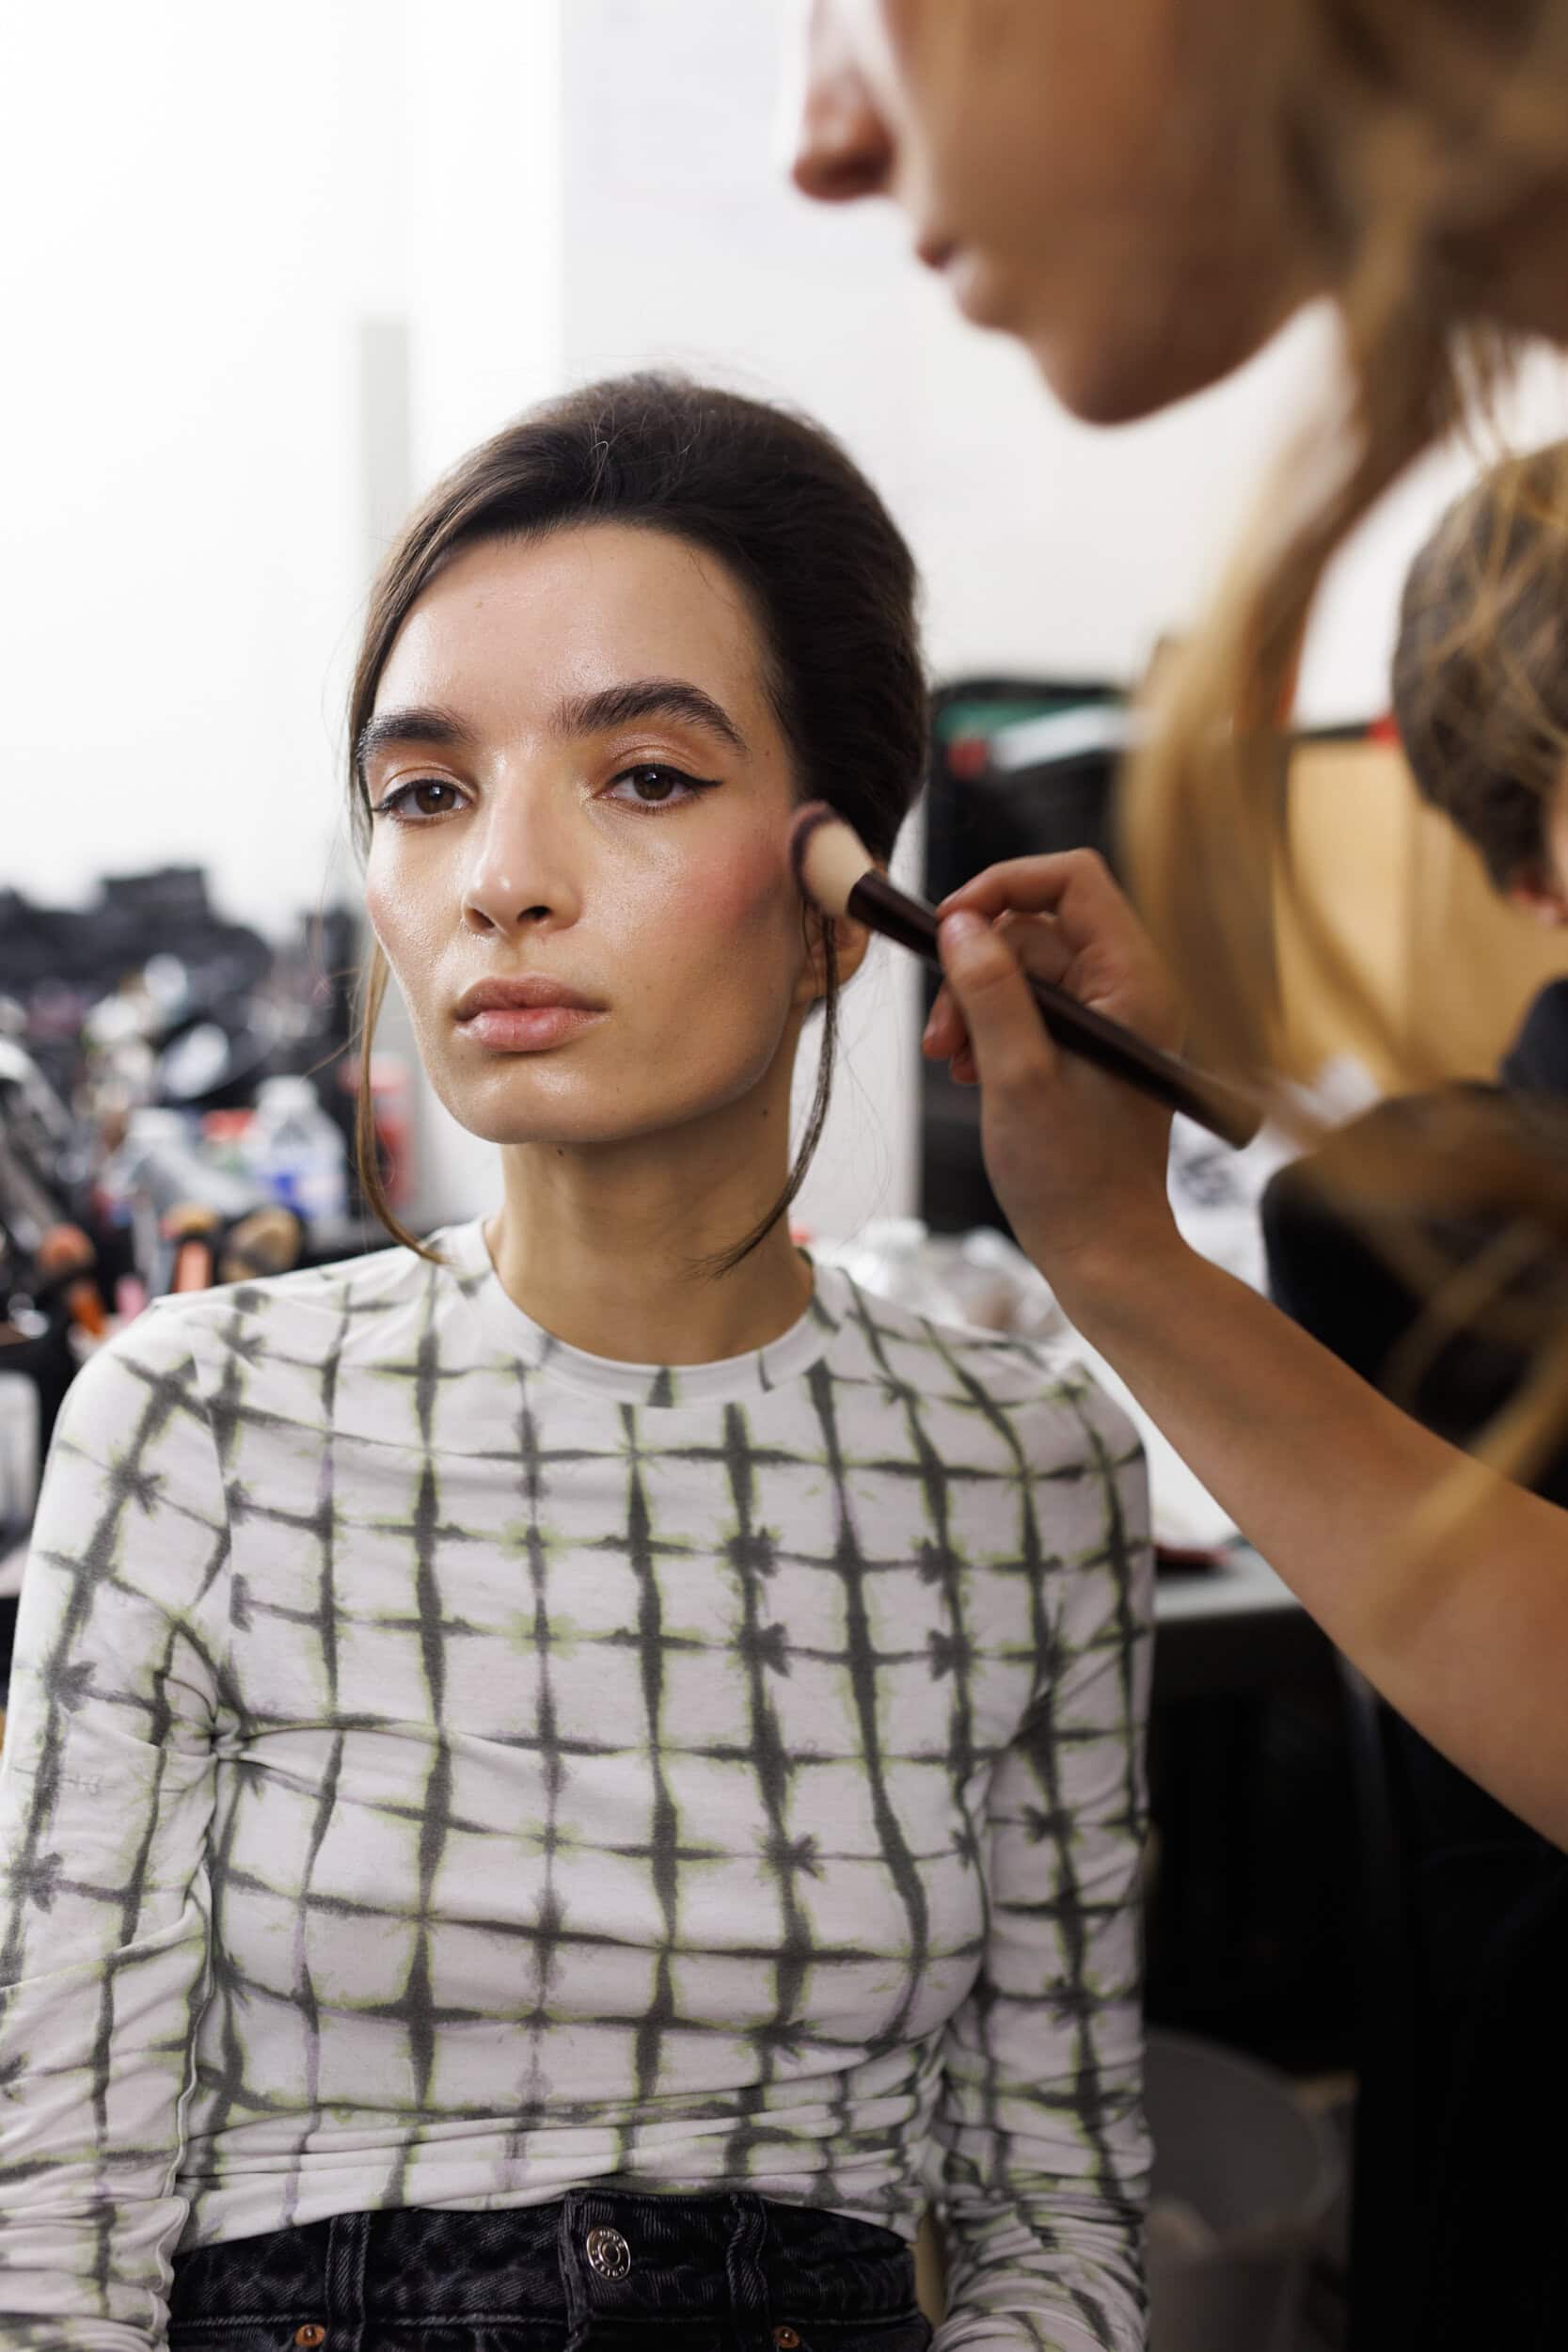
(1140, 205)
(571, 1778)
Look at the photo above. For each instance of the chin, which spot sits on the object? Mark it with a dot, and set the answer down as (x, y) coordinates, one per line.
(501, 1112)
(1105, 387)
(1125, 370)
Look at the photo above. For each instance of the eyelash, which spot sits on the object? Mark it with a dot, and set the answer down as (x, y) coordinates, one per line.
(393, 804)
(695, 786)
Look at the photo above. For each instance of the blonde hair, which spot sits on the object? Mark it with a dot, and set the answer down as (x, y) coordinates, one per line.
(1419, 137)
(1481, 664)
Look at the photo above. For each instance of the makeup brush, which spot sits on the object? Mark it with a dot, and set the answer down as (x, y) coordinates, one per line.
(835, 870)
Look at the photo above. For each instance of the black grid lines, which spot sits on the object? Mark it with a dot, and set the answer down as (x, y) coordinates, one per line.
(721, 1777)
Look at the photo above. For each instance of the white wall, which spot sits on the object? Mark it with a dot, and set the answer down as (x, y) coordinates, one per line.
(177, 431)
(204, 206)
(274, 270)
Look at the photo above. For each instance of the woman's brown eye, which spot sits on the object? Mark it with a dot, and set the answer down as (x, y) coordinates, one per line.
(424, 798)
(652, 783)
(420, 799)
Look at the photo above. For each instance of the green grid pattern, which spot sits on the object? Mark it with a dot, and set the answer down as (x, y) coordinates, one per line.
(443, 1768)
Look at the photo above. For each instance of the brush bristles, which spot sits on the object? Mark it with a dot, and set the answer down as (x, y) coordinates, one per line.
(828, 855)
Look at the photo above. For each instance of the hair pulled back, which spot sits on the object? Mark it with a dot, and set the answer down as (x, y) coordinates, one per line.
(827, 575)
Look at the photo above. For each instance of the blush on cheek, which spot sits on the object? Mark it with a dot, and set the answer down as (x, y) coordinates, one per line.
(709, 900)
(747, 886)
(744, 914)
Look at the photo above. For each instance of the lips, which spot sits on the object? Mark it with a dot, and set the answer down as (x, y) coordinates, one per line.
(525, 995)
(970, 278)
(936, 252)
(524, 1016)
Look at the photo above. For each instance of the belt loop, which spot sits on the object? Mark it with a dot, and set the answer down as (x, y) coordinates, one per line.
(743, 2267)
(578, 2310)
(348, 2240)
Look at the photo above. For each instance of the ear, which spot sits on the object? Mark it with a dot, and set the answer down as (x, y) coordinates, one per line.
(850, 941)
(1536, 891)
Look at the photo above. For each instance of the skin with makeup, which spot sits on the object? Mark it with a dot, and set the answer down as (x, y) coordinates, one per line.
(580, 795)
(589, 1713)
(1139, 197)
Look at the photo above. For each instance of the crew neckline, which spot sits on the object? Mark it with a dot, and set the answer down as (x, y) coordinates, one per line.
(728, 1378)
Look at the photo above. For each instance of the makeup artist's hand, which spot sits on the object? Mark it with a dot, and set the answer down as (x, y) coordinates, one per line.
(1076, 1158)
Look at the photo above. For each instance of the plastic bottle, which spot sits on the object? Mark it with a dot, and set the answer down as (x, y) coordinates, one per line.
(296, 1151)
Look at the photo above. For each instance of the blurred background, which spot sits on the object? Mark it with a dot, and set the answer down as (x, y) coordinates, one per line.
(268, 272)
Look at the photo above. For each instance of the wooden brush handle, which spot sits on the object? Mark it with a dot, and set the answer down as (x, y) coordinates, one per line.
(1221, 1108)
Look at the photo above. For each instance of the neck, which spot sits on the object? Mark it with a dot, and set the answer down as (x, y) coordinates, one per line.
(596, 1244)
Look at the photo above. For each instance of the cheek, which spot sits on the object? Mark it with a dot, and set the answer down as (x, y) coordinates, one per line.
(402, 914)
(745, 894)
(744, 908)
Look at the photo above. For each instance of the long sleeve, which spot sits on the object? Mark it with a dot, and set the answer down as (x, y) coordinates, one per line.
(1045, 2155)
(105, 1797)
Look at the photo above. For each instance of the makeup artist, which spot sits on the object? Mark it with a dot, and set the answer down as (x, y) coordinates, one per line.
(1141, 195)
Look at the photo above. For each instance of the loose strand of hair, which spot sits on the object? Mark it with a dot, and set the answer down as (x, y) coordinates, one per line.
(725, 1261)
(367, 1155)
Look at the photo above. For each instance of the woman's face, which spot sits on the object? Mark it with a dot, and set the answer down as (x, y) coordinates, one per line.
(581, 793)
(1102, 181)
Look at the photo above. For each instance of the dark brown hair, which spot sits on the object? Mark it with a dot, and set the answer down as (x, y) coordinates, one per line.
(1481, 668)
(784, 508)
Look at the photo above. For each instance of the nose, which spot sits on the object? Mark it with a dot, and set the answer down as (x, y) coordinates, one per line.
(519, 876)
(843, 147)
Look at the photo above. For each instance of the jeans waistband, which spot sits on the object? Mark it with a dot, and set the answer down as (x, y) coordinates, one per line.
(596, 2257)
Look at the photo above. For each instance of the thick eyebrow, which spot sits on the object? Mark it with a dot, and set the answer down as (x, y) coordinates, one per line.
(647, 698)
(418, 725)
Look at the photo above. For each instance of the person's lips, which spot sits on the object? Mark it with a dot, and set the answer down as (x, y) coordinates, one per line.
(521, 1016)
(971, 277)
(936, 252)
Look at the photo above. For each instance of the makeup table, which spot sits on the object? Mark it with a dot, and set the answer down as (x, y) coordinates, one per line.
(1253, 1827)
(1230, 1628)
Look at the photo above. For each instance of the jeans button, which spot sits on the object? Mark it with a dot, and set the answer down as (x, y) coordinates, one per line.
(608, 2254)
(786, 2339)
(310, 2336)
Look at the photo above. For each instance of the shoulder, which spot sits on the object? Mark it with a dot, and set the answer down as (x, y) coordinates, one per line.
(273, 1351)
(353, 1308)
(372, 1281)
(1033, 1399)
(141, 1380)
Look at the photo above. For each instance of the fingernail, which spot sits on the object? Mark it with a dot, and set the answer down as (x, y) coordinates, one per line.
(956, 930)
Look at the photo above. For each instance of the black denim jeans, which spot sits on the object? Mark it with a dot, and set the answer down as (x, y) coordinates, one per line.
(596, 2271)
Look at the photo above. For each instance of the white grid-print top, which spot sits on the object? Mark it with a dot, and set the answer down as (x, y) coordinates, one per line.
(444, 1768)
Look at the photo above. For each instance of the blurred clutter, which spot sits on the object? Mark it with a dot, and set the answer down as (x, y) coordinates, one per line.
(177, 1105)
(980, 1278)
